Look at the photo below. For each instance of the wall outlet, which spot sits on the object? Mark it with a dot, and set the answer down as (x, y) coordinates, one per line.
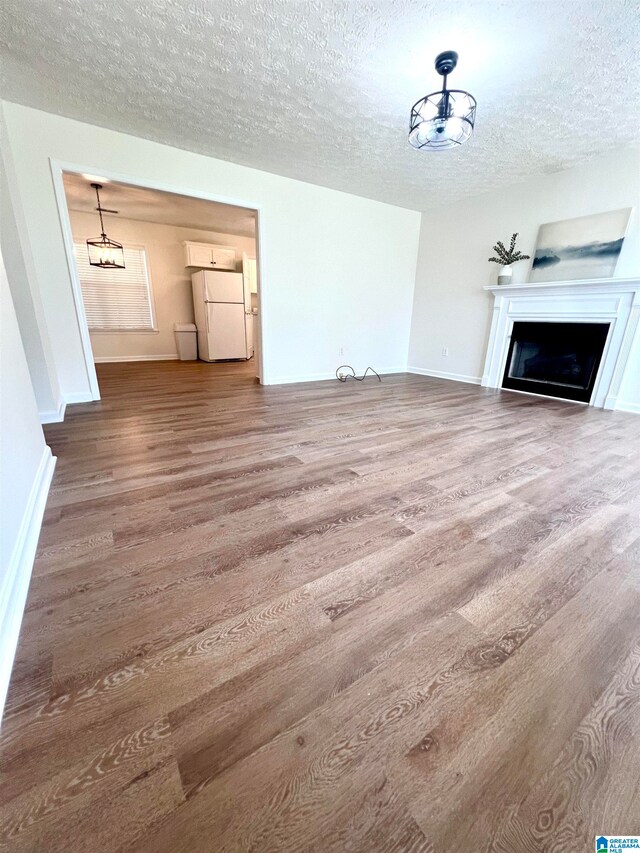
(341, 351)
(445, 350)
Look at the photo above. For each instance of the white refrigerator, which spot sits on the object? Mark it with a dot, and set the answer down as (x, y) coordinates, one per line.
(219, 307)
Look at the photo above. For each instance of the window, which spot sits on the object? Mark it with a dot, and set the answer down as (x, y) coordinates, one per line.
(116, 300)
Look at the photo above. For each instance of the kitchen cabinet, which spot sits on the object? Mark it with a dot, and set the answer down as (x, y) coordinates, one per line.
(208, 256)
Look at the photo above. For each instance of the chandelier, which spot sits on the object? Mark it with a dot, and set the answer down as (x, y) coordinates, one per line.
(104, 252)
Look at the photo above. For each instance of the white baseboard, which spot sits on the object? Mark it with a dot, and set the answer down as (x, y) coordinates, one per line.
(621, 406)
(108, 359)
(55, 416)
(439, 374)
(321, 377)
(78, 397)
(15, 585)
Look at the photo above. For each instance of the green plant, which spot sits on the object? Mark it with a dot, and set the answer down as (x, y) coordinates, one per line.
(504, 256)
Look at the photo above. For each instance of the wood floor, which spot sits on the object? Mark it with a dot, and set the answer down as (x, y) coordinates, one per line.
(363, 617)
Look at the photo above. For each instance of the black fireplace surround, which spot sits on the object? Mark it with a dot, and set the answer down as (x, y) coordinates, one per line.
(555, 359)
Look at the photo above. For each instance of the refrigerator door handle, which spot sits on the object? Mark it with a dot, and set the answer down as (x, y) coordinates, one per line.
(206, 316)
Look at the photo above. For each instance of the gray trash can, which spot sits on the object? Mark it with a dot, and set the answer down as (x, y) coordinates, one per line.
(187, 341)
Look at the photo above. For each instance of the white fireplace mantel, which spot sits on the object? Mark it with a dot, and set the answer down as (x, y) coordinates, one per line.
(612, 300)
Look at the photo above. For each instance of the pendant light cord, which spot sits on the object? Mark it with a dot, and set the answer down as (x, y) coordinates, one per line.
(97, 188)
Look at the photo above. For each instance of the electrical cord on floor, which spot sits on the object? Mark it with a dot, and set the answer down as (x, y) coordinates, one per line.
(342, 377)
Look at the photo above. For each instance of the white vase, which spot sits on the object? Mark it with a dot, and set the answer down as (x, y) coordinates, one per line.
(504, 275)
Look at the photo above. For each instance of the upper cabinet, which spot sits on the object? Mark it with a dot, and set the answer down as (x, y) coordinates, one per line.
(207, 256)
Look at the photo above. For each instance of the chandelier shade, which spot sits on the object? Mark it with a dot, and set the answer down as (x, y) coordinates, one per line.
(443, 119)
(104, 252)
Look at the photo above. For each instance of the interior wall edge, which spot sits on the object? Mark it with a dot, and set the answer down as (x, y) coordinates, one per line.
(24, 283)
(18, 574)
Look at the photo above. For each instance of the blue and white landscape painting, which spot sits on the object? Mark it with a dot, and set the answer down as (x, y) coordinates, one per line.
(586, 247)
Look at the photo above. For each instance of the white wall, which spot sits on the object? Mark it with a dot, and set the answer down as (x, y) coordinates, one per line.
(336, 270)
(25, 292)
(170, 281)
(450, 308)
(26, 467)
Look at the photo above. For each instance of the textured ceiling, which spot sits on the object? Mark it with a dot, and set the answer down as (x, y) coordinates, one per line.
(155, 206)
(321, 90)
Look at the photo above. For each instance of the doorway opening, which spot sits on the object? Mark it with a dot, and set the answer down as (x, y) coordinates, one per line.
(172, 277)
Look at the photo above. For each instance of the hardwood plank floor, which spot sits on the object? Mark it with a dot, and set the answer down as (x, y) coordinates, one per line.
(396, 617)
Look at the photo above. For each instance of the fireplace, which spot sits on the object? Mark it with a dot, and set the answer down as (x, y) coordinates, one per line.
(550, 313)
(555, 359)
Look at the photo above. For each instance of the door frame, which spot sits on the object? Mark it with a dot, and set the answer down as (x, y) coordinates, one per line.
(58, 167)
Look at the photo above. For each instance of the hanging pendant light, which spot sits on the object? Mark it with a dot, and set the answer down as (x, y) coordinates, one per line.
(443, 119)
(104, 252)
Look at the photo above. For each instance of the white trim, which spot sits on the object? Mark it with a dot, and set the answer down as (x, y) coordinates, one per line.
(543, 396)
(604, 284)
(79, 397)
(439, 374)
(60, 166)
(621, 406)
(107, 359)
(321, 377)
(81, 316)
(13, 593)
(55, 416)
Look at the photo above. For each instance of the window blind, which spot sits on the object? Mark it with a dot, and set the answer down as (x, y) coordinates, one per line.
(116, 299)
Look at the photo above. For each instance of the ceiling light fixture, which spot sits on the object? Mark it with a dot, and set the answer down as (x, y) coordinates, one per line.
(104, 252)
(443, 119)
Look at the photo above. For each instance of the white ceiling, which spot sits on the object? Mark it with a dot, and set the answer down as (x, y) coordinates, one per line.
(150, 205)
(320, 90)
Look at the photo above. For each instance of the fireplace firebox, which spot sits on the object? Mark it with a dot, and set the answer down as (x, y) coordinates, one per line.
(555, 359)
